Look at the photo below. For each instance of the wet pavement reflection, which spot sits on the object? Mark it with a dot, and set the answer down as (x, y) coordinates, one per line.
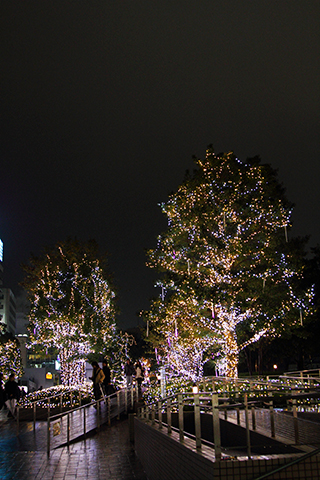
(104, 455)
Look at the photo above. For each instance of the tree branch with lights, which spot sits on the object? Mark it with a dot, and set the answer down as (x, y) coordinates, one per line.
(72, 305)
(230, 274)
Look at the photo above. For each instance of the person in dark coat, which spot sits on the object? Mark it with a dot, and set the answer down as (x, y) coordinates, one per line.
(13, 394)
(107, 378)
(129, 371)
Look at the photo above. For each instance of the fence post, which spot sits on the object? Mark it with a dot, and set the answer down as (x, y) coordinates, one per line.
(295, 421)
(272, 419)
(48, 436)
(34, 416)
(153, 415)
(225, 410)
(169, 421)
(84, 423)
(237, 400)
(160, 414)
(68, 430)
(109, 410)
(247, 426)
(61, 403)
(118, 403)
(253, 417)
(216, 426)
(18, 418)
(98, 415)
(197, 421)
(126, 400)
(180, 404)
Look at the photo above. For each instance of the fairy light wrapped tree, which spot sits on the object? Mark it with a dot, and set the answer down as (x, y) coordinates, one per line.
(10, 354)
(72, 305)
(226, 254)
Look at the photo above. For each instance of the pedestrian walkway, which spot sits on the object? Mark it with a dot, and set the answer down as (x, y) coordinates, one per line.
(102, 456)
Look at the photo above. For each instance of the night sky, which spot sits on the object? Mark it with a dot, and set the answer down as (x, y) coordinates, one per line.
(103, 105)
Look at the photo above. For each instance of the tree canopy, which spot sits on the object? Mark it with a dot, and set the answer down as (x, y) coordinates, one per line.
(230, 273)
(10, 354)
(72, 304)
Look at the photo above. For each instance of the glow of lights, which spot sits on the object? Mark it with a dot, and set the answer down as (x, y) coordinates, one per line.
(224, 242)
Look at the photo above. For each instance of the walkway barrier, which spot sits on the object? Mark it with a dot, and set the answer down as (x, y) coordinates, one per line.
(49, 401)
(76, 422)
(254, 415)
(67, 426)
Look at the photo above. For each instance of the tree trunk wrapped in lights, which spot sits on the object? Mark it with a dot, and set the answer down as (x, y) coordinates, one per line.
(226, 252)
(72, 305)
(10, 354)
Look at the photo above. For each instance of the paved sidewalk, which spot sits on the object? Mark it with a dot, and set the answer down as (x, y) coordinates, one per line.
(103, 456)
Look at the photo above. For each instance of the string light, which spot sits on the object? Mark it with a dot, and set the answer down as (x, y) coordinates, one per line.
(10, 355)
(72, 307)
(224, 240)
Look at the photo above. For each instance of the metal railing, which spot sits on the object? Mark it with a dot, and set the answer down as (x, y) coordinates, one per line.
(205, 402)
(77, 423)
(48, 400)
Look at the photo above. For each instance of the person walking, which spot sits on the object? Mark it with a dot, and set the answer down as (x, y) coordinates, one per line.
(2, 392)
(13, 394)
(107, 378)
(129, 371)
(139, 378)
(97, 379)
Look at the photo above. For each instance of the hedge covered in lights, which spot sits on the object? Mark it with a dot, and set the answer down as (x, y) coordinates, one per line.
(70, 397)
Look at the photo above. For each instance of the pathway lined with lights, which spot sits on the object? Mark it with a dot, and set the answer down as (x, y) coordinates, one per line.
(106, 455)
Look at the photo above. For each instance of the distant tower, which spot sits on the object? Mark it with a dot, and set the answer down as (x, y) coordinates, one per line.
(7, 301)
(1, 262)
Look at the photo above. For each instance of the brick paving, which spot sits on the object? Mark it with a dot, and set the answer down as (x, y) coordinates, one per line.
(102, 456)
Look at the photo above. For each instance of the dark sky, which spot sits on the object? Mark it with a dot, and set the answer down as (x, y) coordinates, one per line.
(103, 105)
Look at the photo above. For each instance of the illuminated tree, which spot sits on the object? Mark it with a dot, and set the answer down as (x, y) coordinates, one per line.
(10, 354)
(72, 305)
(227, 254)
